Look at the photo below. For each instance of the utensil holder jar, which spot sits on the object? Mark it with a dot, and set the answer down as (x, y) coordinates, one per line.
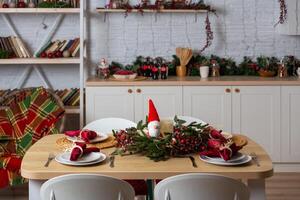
(181, 71)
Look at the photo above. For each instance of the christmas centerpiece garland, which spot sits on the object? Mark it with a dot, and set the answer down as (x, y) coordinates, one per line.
(150, 140)
(185, 140)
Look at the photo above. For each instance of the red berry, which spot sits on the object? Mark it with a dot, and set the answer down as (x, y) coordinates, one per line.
(50, 55)
(5, 5)
(43, 55)
(21, 4)
(58, 54)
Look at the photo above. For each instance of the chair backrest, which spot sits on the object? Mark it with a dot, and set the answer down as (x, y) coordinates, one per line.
(188, 119)
(86, 187)
(106, 125)
(200, 186)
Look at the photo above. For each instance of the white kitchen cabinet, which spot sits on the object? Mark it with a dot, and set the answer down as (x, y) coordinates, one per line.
(211, 104)
(256, 113)
(102, 102)
(290, 126)
(131, 102)
(167, 100)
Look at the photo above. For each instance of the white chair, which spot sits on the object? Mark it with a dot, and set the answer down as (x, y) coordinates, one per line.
(188, 119)
(86, 187)
(106, 125)
(200, 186)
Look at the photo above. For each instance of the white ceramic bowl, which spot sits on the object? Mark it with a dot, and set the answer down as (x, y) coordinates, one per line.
(122, 77)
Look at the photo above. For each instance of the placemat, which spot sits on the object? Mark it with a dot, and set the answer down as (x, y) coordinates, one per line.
(63, 143)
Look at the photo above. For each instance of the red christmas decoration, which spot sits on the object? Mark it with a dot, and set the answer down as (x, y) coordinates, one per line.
(43, 55)
(5, 5)
(50, 55)
(283, 12)
(21, 4)
(209, 34)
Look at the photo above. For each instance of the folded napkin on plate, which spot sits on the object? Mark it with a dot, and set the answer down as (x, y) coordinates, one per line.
(85, 135)
(80, 149)
(219, 146)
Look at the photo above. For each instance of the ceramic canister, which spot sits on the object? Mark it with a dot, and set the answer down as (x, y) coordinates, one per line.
(204, 71)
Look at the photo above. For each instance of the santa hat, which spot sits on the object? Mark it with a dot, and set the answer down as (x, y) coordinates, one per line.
(153, 115)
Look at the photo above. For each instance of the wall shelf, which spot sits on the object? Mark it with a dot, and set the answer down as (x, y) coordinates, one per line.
(103, 10)
(52, 61)
(40, 10)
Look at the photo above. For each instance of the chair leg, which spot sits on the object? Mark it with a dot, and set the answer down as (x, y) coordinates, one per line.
(140, 197)
(150, 186)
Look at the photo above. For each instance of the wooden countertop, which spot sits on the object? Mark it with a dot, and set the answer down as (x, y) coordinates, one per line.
(197, 81)
(137, 166)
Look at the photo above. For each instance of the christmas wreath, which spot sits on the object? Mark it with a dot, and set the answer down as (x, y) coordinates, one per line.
(184, 140)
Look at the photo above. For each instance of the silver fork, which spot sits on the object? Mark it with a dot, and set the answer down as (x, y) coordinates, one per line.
(50, 158)
(255, 159)
(112, 161)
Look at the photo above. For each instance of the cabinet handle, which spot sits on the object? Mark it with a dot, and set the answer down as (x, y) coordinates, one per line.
(237, 90)
(130, 91)
(228, 90)
(138, 90)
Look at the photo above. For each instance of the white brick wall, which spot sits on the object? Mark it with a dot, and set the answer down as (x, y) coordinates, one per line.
(242, 28)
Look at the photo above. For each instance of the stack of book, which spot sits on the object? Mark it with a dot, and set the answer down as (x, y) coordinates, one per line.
(14, 47)
(58, 48)
(70, 97)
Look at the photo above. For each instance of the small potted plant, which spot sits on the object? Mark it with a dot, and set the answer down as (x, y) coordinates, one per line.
(267, 66)
(204, 68)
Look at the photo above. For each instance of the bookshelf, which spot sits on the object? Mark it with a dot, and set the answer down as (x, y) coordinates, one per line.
(37, 63)
(40, 10)
(48, 61)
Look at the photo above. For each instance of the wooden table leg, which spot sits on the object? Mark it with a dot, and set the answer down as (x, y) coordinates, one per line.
(34, 189)
(257, 189)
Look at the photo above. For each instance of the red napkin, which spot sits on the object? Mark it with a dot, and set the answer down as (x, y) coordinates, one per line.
(80, 149)
(72, 133)
(86, 135)
(217, 146)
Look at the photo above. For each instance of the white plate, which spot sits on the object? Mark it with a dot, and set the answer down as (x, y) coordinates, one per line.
(101, 137)
(75, 163)
(239, 156)
(239, 162)
(91, 157)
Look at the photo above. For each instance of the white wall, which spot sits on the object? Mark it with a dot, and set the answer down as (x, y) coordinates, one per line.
(242, 28)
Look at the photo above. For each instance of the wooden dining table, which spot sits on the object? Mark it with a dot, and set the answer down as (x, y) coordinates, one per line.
(141, 167)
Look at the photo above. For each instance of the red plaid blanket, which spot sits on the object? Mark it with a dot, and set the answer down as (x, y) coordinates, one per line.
(27, 118)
